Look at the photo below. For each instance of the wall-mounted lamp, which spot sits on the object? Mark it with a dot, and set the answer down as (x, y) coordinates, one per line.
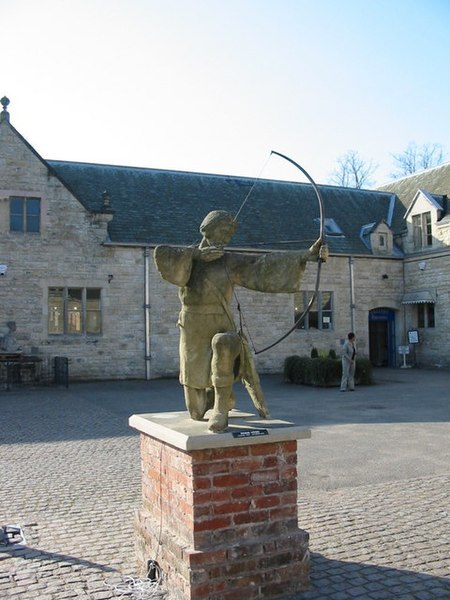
(385, 276)
(3, 269)
(110, 278)
(422, 265)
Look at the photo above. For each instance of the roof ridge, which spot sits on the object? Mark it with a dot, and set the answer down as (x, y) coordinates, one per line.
(152, 169)
(213, 175)
(415, 174)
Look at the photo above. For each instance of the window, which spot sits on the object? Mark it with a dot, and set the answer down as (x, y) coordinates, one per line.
(422, 232)
(320, 316)
(425, 314)
(24, 214)
(74, 311)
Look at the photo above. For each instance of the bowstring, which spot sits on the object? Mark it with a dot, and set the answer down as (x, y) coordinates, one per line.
(314, 295)
(242, 322)
(256, 180)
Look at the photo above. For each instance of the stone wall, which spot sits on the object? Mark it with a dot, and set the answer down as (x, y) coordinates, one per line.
(430, 272)
(268, 316)
(68, 251)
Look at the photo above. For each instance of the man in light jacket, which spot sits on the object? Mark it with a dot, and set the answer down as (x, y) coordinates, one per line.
(348, 364)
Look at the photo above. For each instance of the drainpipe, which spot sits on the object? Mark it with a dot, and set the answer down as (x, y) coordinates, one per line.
(404, 337)
(405, 330)
(147, 312)
(352, 294)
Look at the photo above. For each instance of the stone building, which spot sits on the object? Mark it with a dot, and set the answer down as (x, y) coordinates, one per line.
(426, 243)
(77, 274)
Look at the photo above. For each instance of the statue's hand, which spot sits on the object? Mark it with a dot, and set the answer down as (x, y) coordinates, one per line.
(209, 253)
(320, 250)
(323, 252)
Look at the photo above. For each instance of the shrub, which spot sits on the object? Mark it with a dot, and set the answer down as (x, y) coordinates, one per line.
(332, 353)
(314, 353)
(363, 374)
(323, 371)
(288, 368)
(300, 370)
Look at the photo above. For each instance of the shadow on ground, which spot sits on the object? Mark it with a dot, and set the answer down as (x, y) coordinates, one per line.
(343, 580)
(101, 409)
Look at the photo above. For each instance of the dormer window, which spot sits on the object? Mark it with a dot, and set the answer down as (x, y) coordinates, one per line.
(330, 227)
(24, 214)
(422, 231)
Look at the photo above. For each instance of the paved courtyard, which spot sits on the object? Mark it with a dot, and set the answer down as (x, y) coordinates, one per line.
(374, 485)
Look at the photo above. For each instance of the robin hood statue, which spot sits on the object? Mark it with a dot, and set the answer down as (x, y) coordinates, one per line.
(213, 353)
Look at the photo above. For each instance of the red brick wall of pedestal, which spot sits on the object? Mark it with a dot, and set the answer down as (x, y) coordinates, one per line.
(222, 522)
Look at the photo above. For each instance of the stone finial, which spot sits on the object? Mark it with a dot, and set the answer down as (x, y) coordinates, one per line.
(4, 115)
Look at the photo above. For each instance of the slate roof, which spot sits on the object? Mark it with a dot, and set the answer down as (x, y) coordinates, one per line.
(436, 181)
(153, 206)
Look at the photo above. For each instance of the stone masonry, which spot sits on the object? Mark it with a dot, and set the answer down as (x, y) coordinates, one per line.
(68, 251)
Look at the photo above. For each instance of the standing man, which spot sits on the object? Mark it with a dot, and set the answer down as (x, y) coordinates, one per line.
(348, 364)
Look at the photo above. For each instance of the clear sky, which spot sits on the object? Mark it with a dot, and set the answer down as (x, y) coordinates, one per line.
(213, 85)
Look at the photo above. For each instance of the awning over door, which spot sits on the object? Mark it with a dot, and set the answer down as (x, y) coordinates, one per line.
(419, 297)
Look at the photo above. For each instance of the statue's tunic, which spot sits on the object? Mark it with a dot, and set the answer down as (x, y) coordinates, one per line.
(205, 287)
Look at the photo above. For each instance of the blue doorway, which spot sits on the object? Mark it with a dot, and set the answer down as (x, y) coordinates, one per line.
(382, 337)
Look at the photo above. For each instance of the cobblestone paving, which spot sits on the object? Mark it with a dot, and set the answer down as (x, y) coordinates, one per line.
(70, 477)
(385, 541)
(74, 496)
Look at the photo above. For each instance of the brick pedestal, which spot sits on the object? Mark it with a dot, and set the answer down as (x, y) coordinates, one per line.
(219, 512)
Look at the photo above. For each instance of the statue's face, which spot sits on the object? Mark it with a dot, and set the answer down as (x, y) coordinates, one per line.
(220, 234)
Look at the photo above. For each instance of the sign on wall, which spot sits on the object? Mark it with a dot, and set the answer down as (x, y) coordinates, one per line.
(413, 336)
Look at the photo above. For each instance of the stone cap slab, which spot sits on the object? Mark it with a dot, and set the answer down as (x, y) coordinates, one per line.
(179, 430)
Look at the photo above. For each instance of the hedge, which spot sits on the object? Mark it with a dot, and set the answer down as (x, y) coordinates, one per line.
(323, 371)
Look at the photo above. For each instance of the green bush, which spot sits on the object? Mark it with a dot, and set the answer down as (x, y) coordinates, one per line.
(332, 353)
(363, 374)
(300, 370)
(323, 372)
(314, 353)
(288, 368)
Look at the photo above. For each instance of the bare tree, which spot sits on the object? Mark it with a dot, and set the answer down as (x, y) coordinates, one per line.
(416, 158)
(353, 171)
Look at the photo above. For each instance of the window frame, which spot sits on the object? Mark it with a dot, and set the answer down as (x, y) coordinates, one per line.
(422, 230)
(73, 307)
(27, 219)
(425, 313)
(314, 319)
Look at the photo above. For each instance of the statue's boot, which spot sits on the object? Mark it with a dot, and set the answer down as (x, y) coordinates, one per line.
(198, 401)
(195, 402)
(226, 347)
(223, 401)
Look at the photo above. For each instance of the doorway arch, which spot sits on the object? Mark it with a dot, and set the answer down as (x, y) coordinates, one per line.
(382, 337)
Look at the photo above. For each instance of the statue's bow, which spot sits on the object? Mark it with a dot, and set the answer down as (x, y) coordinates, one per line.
(316, 189)
(300, 318)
